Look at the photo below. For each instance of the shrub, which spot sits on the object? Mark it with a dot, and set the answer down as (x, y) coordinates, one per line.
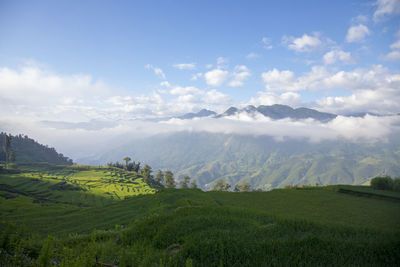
(383, 183)
(396, 184)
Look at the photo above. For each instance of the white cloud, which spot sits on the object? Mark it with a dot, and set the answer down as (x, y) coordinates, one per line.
(278, 80)
(157, 71)
(268, 98)
(216, 77)
(240, 74)
(266, 43)
(216, 98)
(379, 101)
(357, 33)
(36, 86)
(386, 8)
(196, 76)
(222, 61)
(178, 90)
(395, 45)
(359, 19)
(333, 56)
(393, 56)
(319, 78)
(185, 66)
(252, 55)
(305, 43)
(165, 84)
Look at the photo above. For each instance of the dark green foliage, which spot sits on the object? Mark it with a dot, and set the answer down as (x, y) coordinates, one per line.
(160, 177)
(146, 174)
(28, 150)
(193, 183)
(169, 180)
(310, 226)
(185, 182)
(385, 183)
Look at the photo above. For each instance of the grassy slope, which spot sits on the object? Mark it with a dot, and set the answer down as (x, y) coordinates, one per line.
(317, 226)
(91, 186)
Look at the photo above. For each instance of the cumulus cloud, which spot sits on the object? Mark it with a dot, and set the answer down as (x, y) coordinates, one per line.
(157, 71)
(239, 75)
(319, 78)
(336, 55)
(305, 43)
(38, 94)
(385, 8)
(394, 55)
(185, 66)
(278, 80)
(235, 78)
(269, 98)
(216, 77)
(179, 90)
(357, 34)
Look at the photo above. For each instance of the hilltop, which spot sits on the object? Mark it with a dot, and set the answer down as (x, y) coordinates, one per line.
(29, 150)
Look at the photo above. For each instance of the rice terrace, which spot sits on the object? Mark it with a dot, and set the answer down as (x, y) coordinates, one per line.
(199, 133)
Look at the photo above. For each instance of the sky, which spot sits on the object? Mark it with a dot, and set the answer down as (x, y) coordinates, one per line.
(116, 61)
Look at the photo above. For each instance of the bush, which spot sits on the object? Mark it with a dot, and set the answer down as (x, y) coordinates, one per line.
(396, 184)
(382, 183)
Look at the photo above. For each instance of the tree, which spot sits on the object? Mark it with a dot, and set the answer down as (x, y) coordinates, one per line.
(193, 183)
(383, 183)
(127, 159)
(242, 188)
(169, 180)
(160, 177)
(11, 157)
(220, 185)
(185, 182)
(245, 187)
(6, 146)
(146, 173)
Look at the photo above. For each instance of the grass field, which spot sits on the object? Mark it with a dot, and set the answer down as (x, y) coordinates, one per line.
(187, 227)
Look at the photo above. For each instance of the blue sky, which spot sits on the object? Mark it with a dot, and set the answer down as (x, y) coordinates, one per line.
(104, 60)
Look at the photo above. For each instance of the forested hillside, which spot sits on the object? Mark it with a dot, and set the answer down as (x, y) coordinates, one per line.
(261, 160)
(25, 149)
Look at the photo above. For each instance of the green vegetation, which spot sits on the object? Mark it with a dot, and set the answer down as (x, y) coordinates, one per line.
(262, 161)
(74, 184)
(21, 148)
(386, 183)
(63, 216)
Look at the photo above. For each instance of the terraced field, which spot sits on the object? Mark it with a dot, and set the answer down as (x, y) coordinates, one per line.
(58, 216)
(77, 184)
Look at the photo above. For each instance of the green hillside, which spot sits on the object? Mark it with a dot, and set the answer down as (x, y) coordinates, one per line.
(189, 227)
(75, 184)
(262, 161)
(26, 149)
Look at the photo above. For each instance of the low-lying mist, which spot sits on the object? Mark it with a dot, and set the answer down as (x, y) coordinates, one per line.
(84, 139)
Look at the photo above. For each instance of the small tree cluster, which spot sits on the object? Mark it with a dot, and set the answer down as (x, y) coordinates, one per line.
(386, 183)
(245, 187)
(187, 183)
(221, 185)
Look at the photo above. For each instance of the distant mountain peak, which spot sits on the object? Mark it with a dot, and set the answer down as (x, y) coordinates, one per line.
(202, 113)
(278, 111)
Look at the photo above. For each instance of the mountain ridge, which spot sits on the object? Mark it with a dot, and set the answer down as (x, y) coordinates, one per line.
(275, 112)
